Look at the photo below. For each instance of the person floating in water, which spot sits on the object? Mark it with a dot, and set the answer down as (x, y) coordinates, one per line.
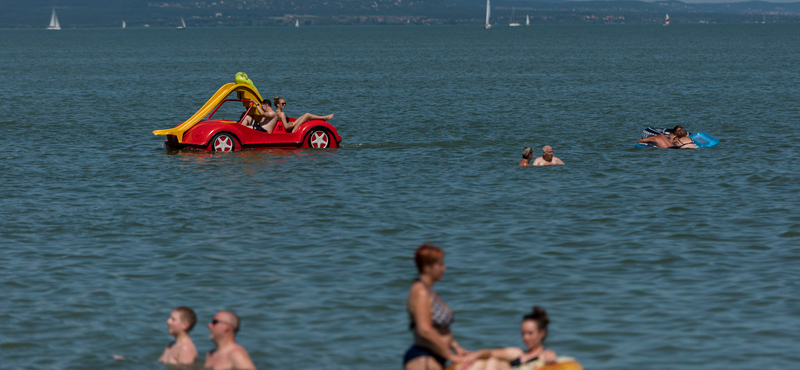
(527, 156)
(280, 105)
(680, 139)
(677, 139)
(228, 354)
(547, 157)
(534, 331)
(182, 351)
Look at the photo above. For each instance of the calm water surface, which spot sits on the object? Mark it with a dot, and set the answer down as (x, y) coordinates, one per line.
(644, 258)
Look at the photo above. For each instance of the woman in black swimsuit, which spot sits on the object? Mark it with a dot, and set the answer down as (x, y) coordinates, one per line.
(534, 331)
(680, 139)
(430, 316)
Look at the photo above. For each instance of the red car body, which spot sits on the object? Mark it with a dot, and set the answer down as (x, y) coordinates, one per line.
(206, 133)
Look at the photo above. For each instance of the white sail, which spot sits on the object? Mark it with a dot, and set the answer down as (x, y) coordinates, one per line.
(513, 24)
(123, 25)
(54, 25)
(527, 20)
(488, 14)
(666, 23)
(297, 23)
(182, 26)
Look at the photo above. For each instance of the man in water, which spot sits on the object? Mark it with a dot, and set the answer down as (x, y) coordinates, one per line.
(527, 155)
(182, 351)
(547, 157)
(228, 355)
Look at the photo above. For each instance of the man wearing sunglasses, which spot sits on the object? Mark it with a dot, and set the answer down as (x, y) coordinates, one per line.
(228, 354)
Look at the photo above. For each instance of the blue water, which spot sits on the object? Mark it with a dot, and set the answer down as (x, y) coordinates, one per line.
(643, 258)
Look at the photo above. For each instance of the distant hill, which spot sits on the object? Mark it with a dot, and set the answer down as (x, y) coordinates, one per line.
(215, 13)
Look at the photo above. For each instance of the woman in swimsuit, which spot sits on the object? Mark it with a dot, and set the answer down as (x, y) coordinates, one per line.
(430, 316)
(269, 119)
(280, 104)
(534, 331)
(679, 139)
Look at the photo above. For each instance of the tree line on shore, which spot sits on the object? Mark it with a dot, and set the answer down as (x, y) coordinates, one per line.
(233, 13)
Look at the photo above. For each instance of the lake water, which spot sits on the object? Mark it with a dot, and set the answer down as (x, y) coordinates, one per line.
(643, 258)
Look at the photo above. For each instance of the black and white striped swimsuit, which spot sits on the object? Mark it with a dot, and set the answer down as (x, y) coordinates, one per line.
(441, 315)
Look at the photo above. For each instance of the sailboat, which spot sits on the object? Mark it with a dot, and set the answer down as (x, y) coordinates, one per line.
(488, 13)
(123, 24)
(666, 23)
(54, 25)
(527, 20)
(297, 23)
(513, 24)
(182, 26)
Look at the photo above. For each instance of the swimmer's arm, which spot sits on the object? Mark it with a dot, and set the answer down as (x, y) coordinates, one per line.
(457, 348)
(241, 360)
(557, 161)
(164, 359)
(538, 162)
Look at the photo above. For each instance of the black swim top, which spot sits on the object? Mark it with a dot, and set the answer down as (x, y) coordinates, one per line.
(518, 361)
(441, 314)
(682, 144)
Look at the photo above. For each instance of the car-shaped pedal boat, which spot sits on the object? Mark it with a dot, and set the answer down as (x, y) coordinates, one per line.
(217, 126)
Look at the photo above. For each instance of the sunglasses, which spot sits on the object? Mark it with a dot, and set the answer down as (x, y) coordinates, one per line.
(215, 322)
(281, 103)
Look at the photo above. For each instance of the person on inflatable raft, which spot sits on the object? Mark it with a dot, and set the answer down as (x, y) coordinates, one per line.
(676, 139)
(535, 356)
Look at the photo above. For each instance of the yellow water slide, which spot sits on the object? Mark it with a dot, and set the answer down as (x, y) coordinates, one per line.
(243, 91)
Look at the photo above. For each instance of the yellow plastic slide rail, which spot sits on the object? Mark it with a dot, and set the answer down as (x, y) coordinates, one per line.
(243, 90)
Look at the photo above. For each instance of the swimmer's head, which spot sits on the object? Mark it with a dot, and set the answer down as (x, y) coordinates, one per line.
(527, 152)
(218, 327)
(234, 320)
(266, 102)
(428, 255)
(181, 319)
(679, 132)
(534, 327)
(547, 152)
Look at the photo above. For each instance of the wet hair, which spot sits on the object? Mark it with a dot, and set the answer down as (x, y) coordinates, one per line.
(276, 99)
(188, 316)
(539, 316)
(427, 254)
(266, 102)
(527, 151)
(679, 132)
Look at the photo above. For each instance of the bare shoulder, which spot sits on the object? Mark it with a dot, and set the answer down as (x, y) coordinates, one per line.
(538, 161)
(557, 160)
(241, 359)
(187, 353)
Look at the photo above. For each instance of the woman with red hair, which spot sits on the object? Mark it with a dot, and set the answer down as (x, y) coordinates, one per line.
(430, 316)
